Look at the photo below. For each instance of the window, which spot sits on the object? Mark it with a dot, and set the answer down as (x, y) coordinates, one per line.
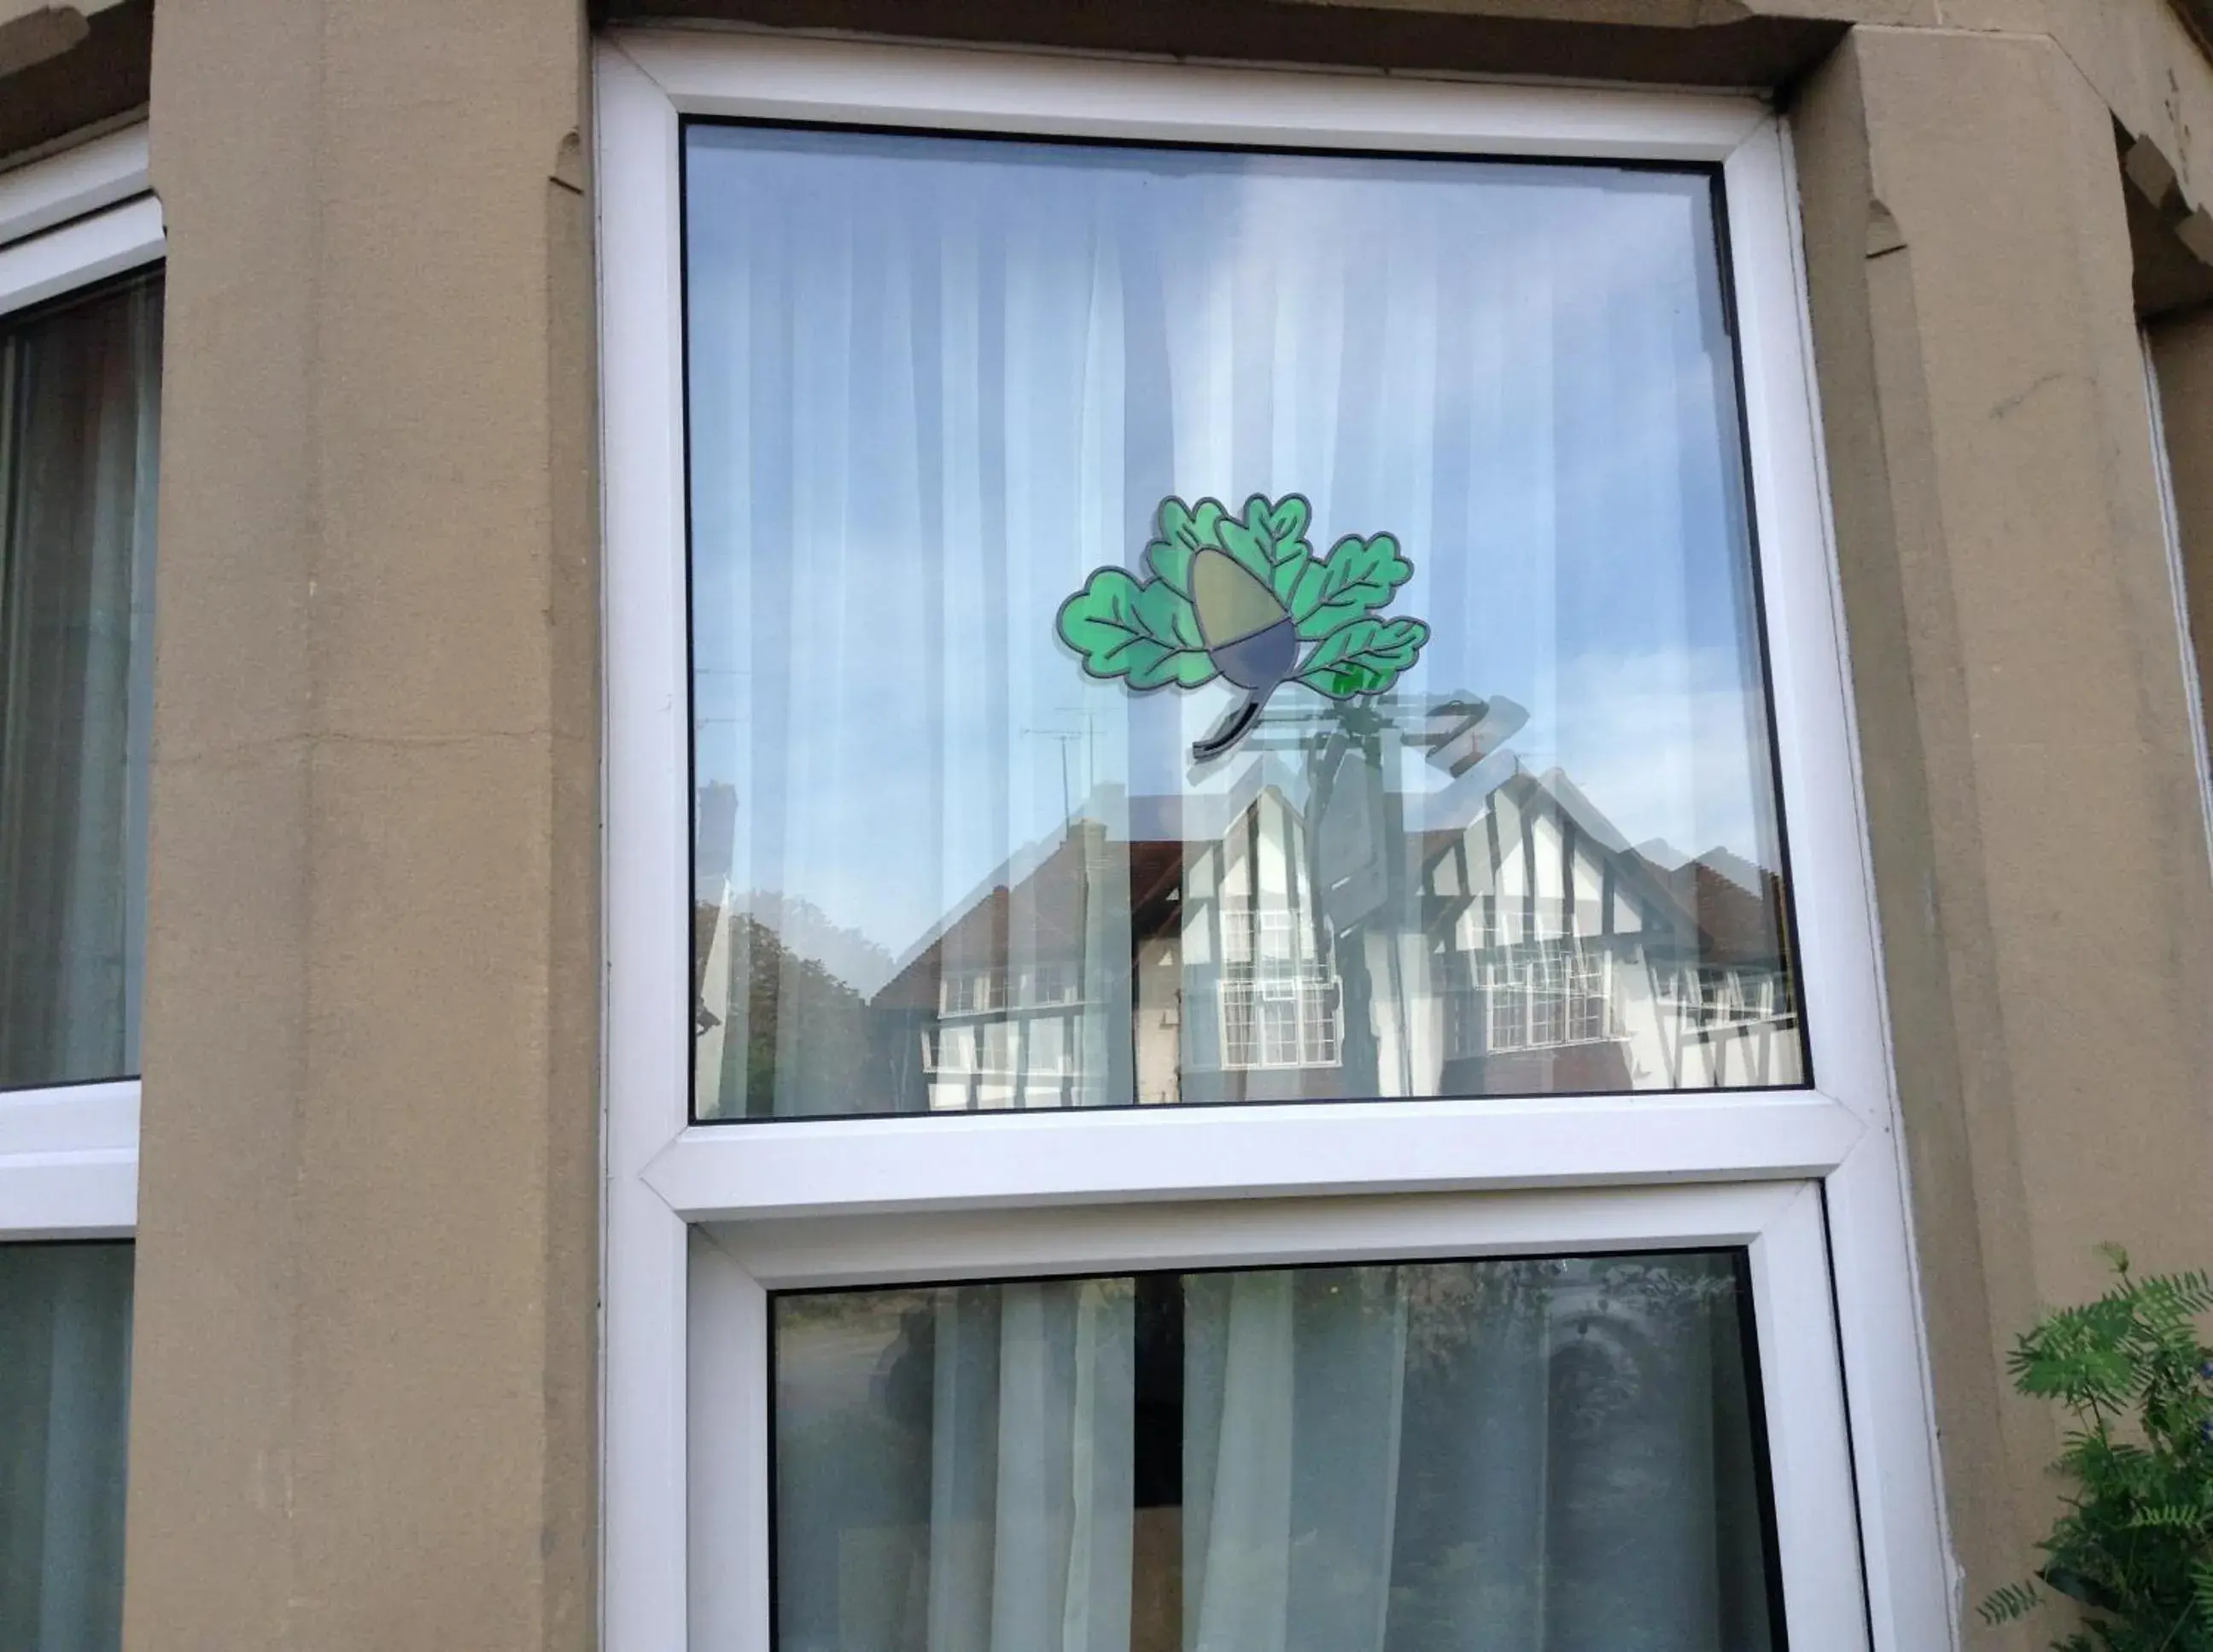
(65, 1389)
(1278, 1457)
(80, 355)
(952, 375)
(1277, 1003)
(79, 426)
(1178, 587)
(1540, 995)
(2193, 679)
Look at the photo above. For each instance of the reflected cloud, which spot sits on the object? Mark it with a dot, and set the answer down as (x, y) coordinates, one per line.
(1671, 743)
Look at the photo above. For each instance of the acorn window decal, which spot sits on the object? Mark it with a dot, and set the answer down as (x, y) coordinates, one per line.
(1246, 600)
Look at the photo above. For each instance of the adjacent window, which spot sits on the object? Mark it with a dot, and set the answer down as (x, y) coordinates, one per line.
(65, 1394)
(2193, 680)
(80, 424)
(80, 376)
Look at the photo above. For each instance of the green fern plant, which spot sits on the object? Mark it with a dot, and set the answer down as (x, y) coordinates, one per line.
(2134, 1543)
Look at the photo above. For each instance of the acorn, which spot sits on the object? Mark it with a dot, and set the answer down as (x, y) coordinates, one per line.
(1249, 635)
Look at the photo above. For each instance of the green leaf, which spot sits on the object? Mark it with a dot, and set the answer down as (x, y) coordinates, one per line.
(2167, 1517)
(1278, 531)
(1168, 616)
(1183, 531)
(1364, 657)
(1356, 578)
(1288, 518)
(1146, 633)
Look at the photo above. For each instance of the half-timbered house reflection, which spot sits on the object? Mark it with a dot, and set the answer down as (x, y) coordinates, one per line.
(1331, 923)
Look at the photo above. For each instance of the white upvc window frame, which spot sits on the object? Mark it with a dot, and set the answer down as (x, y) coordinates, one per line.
(69, 1153)
(701, 1223)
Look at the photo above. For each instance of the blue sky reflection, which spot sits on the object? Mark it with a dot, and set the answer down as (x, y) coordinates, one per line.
(935, 382)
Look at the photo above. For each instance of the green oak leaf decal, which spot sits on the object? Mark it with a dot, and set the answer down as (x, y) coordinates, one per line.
(1244, 598)
(1358, 578)
(1146, 632)
(1365, 657)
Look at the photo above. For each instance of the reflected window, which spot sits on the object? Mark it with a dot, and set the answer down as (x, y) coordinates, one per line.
(935, 383)
(1418, 1458)
(1278, 1003)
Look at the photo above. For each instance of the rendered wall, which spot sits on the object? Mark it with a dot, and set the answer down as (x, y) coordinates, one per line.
(2040, 845)
(65, 69)
(363, 1413)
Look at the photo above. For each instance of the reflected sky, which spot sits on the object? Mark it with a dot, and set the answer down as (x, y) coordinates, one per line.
(934, 382)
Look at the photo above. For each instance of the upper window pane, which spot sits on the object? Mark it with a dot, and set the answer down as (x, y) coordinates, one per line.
(1183, 626)
(79, 394)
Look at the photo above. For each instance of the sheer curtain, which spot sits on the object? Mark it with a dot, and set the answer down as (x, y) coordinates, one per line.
(1030, 1468)
(1461, 1457)
(64, 1383)
(954, 1469)
(79, 431)
(1467, 1457)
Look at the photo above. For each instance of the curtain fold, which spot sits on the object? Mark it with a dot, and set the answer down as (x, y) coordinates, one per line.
(79, 433)
(1294, 1404)
(1030, 1450)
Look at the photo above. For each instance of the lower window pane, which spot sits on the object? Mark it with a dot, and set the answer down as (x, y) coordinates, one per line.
(64, 1388)
(1549, 1455)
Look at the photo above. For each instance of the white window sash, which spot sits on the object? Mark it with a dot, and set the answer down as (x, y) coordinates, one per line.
(732, 1269)
(102, 172)
(69, 1153)
(68, 1161)
(763, 1183)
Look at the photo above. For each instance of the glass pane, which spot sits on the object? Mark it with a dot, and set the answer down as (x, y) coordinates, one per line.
(1538, 1456)
(80, 414)
(1433, 759)
(64, 1401)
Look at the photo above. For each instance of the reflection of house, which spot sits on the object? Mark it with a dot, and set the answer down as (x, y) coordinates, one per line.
(1008, 1003)
(1496, 938)
(1565, 960)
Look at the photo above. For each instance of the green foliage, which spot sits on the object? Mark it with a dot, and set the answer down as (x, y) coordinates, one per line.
(2133, 1545)
(1148, 632)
